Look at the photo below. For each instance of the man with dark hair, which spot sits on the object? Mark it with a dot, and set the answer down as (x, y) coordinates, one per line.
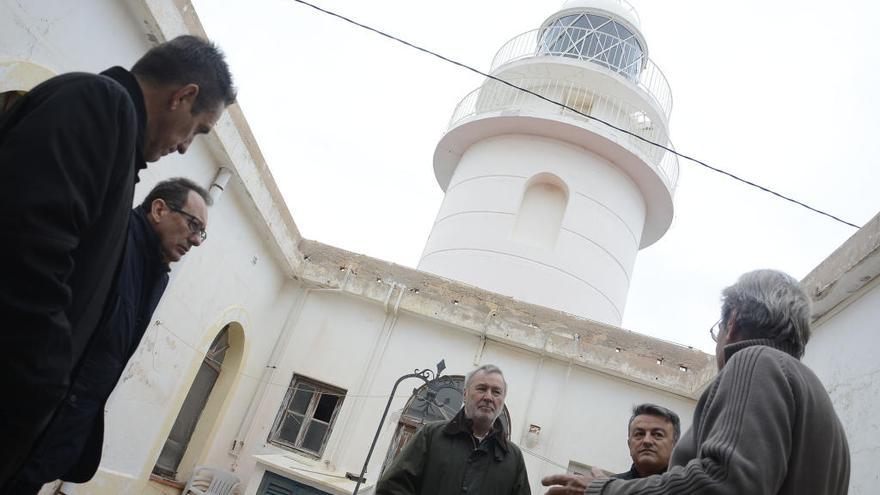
(171, 220)
(468, 454)
(651, 434)
(765, 425)
(70, 152)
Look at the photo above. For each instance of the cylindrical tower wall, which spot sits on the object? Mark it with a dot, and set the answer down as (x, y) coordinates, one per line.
(486, 233)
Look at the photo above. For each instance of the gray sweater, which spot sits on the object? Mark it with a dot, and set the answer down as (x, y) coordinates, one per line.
(766, 425)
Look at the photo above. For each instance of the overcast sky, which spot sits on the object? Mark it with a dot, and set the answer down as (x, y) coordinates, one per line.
(781, 92)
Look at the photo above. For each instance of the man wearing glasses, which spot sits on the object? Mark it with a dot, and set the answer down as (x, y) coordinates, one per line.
(169, 222)
(765, 425)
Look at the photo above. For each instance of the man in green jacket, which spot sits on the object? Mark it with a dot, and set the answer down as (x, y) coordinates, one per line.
(468, 454)
(766, 425)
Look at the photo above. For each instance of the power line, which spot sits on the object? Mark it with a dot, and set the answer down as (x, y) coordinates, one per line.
(596, 119)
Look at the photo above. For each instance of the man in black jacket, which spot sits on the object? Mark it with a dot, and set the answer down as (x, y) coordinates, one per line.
(70, 151)
(468, 454)
(651, 435)
(171, 220)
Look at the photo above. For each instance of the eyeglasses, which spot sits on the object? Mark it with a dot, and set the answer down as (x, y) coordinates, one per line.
(195, 225)
(715, 330)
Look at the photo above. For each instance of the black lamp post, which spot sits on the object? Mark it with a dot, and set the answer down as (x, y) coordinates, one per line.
(424, 375)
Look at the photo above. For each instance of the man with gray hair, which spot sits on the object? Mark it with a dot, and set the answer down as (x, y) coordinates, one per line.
(652, 432)
(765, 425)
(468, 454)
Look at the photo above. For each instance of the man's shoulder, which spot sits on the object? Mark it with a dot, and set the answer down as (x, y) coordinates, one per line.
(762, 356)
(79, 81)
(82, 89)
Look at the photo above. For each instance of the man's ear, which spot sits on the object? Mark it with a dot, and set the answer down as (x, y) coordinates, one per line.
(185, 96)
(157, 209)
(733, 332)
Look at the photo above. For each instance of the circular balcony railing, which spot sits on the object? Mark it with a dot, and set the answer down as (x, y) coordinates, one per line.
(588, 106)
(620, 55)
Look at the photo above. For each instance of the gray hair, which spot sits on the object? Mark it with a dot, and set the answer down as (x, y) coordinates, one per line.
(659, 411)
(487, 369)
(768, 304)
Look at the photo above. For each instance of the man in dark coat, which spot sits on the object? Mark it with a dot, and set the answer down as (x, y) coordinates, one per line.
(651, 435)
(171, 220)
(70, 151)
(765, 425)
(467, 454)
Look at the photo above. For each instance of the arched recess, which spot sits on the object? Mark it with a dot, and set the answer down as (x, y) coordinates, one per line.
(17, 77)
(202, 410)
(437, 400)
(541, 211)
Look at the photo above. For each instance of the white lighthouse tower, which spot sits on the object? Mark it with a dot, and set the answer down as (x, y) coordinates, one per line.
(544, 204)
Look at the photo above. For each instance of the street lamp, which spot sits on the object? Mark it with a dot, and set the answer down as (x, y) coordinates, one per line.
(424, 375)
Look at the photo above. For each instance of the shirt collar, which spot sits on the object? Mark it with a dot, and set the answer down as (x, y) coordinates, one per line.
(151, 238)
(128, 81)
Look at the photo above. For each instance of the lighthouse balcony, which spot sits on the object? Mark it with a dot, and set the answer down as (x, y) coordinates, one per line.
(602, 45)
(633, 128)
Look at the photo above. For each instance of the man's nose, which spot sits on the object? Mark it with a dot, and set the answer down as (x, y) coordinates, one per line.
(182, 147)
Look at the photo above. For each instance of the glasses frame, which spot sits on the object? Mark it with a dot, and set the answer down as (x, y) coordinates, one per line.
(715, 330)
(192, 222)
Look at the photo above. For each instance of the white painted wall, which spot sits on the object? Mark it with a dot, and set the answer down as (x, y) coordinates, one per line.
(586, 272)
(583, 414)
(51, 34)
(843, 353)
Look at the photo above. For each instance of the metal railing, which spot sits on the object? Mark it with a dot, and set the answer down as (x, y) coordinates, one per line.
(619, 56)
(630, 10)
(494, 96)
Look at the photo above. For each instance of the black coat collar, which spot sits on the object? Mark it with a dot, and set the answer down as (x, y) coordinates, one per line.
(127, 80)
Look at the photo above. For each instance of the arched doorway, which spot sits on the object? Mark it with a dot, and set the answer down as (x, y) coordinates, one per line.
(437, 400)
(194, 405)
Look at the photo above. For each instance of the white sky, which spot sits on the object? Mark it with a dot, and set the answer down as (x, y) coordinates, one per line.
(781, 92)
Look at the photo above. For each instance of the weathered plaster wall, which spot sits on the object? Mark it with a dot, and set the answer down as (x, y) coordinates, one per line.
(354, 344)
(843, 353)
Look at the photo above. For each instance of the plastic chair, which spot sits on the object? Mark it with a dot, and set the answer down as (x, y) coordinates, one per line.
(212, 481)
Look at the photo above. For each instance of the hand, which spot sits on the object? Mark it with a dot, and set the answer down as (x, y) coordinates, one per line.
(570, 484)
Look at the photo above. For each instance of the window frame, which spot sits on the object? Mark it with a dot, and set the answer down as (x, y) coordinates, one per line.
(285, 411)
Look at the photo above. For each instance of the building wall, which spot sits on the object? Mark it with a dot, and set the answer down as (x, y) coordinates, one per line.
(354, 344)
(843, 353)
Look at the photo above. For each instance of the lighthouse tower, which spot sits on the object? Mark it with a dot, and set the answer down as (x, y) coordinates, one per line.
(550, 205)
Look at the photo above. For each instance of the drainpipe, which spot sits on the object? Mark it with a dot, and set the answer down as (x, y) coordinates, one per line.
(377, 354)
(268, 374)
(218, 185)
(278, 350)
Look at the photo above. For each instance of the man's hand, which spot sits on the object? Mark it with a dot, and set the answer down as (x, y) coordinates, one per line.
(570, 484)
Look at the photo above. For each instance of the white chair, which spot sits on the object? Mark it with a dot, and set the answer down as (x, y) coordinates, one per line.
(212, 481)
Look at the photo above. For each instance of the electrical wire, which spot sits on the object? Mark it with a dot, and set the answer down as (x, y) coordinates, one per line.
(566, 107)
